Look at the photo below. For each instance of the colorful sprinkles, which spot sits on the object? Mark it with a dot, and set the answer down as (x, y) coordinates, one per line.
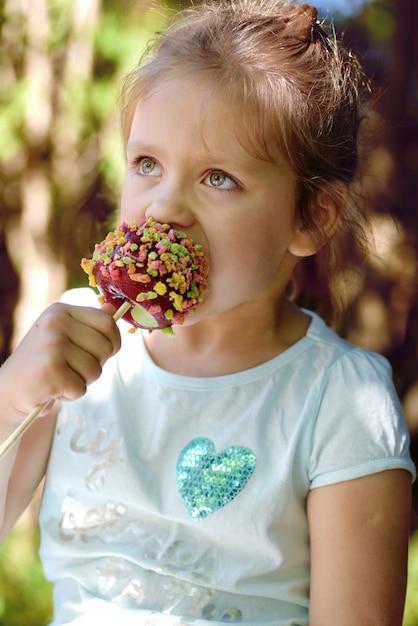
(154, 266)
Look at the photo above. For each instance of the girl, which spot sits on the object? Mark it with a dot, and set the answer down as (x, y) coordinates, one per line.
(241, 128)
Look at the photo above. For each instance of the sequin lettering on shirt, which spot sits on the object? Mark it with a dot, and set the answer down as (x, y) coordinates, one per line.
(207, 480)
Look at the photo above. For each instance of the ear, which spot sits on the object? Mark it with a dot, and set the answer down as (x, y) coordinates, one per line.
(325, 210)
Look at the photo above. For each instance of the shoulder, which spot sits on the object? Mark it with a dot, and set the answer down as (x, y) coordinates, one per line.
(342, 362)
(356, 422)
(353, 384)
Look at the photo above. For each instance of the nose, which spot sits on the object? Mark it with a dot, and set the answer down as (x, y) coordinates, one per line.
(172, 206)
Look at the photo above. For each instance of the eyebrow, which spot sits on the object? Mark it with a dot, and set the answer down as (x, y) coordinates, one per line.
(137, 146)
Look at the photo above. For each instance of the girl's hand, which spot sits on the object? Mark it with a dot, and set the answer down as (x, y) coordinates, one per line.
(60, 356)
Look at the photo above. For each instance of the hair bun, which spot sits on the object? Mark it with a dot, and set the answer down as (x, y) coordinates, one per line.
(302, 22)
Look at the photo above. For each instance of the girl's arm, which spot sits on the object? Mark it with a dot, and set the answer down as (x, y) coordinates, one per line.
(22, 469)
(359, 533)
(62, 353)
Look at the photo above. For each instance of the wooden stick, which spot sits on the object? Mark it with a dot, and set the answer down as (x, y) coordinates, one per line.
(35, 412)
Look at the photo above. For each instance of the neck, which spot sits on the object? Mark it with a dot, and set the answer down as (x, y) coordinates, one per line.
(228, 343)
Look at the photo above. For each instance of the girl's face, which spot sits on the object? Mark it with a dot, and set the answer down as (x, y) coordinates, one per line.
(187, 167)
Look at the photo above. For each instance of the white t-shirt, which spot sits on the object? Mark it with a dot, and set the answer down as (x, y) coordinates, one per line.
(174, 500)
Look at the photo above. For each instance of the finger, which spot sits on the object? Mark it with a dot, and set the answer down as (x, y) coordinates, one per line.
(108, 308)
(100, 320)
(92, 330)
(73, 375)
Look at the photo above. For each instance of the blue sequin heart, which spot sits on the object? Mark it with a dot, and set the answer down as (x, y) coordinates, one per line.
(208, 481)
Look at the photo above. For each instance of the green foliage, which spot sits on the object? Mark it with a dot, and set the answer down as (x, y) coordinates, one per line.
(59, 83)
(379, 21)
(11, 121)
(411, 606)
(121, 40)
(25, 596)
(376, 25)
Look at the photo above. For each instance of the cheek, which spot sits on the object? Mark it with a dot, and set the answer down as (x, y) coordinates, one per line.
(238, 260)
(252, 258)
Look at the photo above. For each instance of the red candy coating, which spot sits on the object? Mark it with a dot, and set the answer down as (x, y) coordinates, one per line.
(158, 269)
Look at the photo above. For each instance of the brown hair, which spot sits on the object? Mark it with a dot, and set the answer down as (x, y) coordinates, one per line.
(297, 91)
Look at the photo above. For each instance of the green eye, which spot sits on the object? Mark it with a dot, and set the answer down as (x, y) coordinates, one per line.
(217, 179)
(147, 166)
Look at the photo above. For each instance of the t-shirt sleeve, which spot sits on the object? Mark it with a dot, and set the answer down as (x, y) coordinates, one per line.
(359, 428)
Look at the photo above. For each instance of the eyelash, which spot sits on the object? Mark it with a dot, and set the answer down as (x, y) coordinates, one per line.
(136, 161)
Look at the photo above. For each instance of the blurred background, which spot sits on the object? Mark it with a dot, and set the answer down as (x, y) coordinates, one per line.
(61, 165)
